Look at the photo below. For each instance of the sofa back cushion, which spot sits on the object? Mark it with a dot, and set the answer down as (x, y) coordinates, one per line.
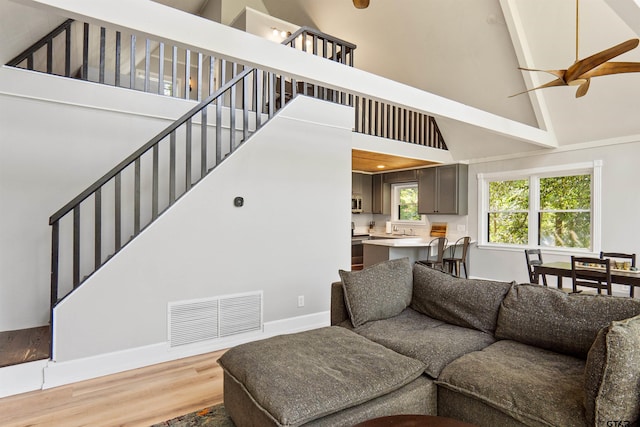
(565, 323)
(468, 303)
(377, 292)
(612, 374)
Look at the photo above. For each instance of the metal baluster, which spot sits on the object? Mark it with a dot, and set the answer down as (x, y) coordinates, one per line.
(118, 55)
(199, 79)
(245, 107)
(357, 112)
(189, 155)
(174, 71)
(85, 52)
(212, 64)
(67, 51)
(272, 93)
(147, 64)
(103, 36)
(97, 227)
(50, 56)
(187, 74)
(76, 246)
(219, 130)
(155, 185)
(161, 69)
(118, 211)
(172, 167)
(136, 198)
(30, 62)
(203, 142)
(132, 63)
(258, 76)
(55, 259)
(232, 110)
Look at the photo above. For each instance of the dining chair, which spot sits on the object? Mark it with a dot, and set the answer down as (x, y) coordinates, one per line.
(453, 263)
(592, 273)
(532, 262)
(440, 243)
(618, 255)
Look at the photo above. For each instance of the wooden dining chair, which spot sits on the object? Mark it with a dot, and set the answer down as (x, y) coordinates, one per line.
(592, 273)
(440, 243)
(454, 263)
(534, 257)
(618, 255)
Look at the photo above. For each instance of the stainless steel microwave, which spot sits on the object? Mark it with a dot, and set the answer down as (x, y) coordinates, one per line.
(356, 204)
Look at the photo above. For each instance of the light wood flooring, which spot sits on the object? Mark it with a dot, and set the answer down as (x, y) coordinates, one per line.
(140, 397)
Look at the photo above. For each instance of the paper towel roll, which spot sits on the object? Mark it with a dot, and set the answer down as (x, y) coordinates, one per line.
(387, 228)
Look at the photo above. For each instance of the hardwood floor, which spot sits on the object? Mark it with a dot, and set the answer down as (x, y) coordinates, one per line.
(24, 345)
(139, 397)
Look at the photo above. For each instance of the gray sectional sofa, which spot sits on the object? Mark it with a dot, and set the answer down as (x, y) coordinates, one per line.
(410, 339)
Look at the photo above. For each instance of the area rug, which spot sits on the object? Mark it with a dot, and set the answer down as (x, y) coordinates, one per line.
(214, 416)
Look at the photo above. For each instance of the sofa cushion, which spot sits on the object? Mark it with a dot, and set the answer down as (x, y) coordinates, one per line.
(299, 377)
(612, 374)
(532, 385)
(431, 341)
(468, 303)
(377, 292)
(551, 319)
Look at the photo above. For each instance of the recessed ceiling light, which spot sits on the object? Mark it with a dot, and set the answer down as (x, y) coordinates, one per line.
(380, 166)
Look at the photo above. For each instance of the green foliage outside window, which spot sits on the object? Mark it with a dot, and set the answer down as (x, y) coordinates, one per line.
(508, 212)
(565, 211)
(408, 207)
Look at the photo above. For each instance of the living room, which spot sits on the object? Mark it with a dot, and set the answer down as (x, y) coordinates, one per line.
(615, 151)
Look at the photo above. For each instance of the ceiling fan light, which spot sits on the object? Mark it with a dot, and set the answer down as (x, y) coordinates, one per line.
(361, 4)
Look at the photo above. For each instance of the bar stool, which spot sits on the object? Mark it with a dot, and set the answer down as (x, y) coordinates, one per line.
(454, 263)
(437, 262)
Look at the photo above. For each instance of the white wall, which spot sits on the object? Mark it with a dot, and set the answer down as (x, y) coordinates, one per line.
(289, 239)
(620, 205)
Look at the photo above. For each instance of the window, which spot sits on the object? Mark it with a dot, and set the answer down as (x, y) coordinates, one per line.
(404, 203)
(549, 207)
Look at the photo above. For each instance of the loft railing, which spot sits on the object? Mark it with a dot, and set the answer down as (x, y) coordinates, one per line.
(101, 220)
(96, 54)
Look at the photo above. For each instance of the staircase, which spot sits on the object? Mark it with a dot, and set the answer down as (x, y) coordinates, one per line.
(234, 101)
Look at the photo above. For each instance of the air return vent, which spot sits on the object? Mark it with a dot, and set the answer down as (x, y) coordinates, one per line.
(202, 320)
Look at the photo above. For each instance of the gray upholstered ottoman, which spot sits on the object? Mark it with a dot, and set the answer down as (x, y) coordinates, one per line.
(329, 376)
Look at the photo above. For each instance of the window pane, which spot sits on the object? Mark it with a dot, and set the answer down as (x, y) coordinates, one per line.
(511, 228)
(565, 192)
(565, 229)
(509, 195)
(408, 208)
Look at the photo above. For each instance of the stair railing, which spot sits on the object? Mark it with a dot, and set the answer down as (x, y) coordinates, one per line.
(101, 220)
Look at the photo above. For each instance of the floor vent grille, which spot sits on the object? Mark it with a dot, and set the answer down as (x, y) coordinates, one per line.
(202, 320)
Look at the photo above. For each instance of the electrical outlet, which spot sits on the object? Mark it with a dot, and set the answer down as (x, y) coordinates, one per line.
(301, 301)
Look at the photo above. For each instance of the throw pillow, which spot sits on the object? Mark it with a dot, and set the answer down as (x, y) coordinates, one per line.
(612, 374)
(468, 303)
(565, 323)
(377, 292)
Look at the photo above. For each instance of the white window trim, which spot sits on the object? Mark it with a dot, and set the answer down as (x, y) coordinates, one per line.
(395, 189)
(594, 168)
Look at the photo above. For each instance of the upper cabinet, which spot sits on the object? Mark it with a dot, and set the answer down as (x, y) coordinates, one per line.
(381, 195)
(443, 190)
(361, 186)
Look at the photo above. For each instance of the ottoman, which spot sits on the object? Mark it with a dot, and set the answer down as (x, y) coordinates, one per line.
(329, 376)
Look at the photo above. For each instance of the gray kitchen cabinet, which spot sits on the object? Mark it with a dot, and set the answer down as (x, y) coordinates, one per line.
(361, 186)
(400, 177)
(381, 195)
(443, 190)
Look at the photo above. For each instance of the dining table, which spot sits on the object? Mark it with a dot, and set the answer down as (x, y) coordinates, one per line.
(562, 269)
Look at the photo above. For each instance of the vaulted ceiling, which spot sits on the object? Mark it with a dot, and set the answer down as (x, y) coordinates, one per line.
(469, 51)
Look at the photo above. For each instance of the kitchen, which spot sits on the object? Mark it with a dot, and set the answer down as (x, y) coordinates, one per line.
(415, 205)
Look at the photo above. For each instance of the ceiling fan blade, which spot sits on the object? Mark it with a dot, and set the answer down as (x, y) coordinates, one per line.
(583, 88)
(591, 62)
(558, 73)
(556, 82)
(612, 68)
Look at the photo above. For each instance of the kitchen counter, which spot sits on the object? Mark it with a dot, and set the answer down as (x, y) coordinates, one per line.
(414, 248)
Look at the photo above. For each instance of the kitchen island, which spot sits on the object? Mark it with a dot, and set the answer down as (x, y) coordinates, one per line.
(414, 248)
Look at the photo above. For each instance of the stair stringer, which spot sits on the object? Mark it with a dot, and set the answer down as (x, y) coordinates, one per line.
(289, 239)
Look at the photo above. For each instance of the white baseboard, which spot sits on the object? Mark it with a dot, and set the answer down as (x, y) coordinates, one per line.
(54, 374)
(21, 378)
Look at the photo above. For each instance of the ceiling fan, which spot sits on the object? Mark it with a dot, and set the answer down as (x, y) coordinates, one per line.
(361, 4)
(581, 71)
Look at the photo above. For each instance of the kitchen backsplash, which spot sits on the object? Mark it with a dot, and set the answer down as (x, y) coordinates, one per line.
(457, 224)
